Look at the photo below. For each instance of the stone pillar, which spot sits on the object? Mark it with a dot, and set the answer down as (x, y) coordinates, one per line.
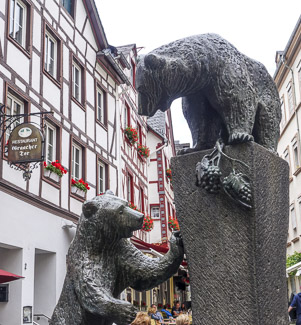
(236, 257)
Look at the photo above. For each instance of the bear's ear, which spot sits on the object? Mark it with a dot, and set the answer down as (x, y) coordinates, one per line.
(89, 208)
(153, 61)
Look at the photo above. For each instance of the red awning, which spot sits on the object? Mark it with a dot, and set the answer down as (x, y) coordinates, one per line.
(146, 247)
(7, 276)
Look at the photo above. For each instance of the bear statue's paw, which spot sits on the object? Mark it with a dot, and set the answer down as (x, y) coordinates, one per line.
(125, 313)
(240, 137)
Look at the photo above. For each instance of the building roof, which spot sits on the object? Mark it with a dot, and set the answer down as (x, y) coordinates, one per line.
(289, 43)
(157, 123)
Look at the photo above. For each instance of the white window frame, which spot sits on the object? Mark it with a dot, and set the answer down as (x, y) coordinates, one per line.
(296, 153)
(129, 188)
(75, 66)
(101, 180)
(283, 115)
(293, 217)
(79, 162)
(12, 111)
(48, 39)
(13, 22)
(155, 215)
(290, 98)
(48, 144)
(286, 156)
(100, 114)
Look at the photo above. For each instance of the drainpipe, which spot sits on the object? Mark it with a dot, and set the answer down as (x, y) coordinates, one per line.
(295, 103)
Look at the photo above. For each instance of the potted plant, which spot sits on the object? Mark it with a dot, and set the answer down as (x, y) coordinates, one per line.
(131, 134)
(79, 187)
(143, 151)
(148, 224)
(173, 224)
(168, 174)
(54, 170)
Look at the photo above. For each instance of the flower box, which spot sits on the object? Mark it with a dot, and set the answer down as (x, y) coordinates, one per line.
(49, 174)
(173, 224)
(168, 174)
(78, 191)
(131, 135)
(143, 151)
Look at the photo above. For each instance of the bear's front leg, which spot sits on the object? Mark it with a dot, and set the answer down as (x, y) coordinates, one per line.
(145, 272)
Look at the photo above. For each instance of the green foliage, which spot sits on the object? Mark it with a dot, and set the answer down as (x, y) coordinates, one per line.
(292, 260)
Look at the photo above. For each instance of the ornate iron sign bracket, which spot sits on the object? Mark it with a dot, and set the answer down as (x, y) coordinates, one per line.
(7, 124)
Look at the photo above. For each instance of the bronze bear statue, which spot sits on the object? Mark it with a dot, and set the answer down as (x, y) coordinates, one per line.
(225, 93)
(102, 262)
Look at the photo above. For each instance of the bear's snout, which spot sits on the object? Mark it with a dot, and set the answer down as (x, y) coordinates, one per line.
(133, 218)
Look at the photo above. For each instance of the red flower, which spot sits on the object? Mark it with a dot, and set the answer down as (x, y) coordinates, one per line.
(45, 164)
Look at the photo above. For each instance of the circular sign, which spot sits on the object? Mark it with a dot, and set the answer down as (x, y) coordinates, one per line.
(25, 132)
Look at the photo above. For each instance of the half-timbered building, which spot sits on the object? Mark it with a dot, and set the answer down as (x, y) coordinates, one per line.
(54, 57)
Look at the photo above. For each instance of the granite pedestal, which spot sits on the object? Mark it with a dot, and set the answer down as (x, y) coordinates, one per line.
(236, 257)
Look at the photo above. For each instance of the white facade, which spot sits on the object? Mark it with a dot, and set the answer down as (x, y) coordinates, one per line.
(288, 80)
(53, 60)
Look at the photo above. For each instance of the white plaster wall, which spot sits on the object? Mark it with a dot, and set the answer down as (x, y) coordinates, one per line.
(13, 176)
(113, 179)
(50, 193)
(53, 9)
(51, 92)
(90, 89)
(36, 31)
(18, 61)
(78, 116)
(3, 7)
(65, 99)
(66, 27)
(101, 136)
(66, 57)
(75, 206)
(90, 114)
(80, 43)
(111, 108)
(30, 228)
(88, 33)
(65, 148)
(34, 182)
(80, 15)
(91, 167)
(91, 55)
(101, 71)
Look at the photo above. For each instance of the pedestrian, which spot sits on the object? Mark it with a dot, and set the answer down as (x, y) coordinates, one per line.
(296, 303)
(176, 309)
(167, 312)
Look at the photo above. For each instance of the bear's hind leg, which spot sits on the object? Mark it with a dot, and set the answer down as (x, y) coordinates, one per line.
(204, 122)
(266, 126)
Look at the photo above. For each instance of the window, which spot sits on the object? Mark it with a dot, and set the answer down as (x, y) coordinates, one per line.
(76, 82)
(139, 133)
(68, 5)
(14, 106)
(101, 105)
(141, 201)
(293, 216)
(299, 76)
(290, 96)
(296, 153)
(18, 21)
(77, 164)
(155, 212)
(102, 174)
(133, 72)
(127, 116)
(283, 117)
(50, 143)
(287, 158)
(52, 53)
(130, 188)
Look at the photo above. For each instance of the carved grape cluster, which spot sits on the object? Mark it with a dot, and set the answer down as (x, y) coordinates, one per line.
(211, 179)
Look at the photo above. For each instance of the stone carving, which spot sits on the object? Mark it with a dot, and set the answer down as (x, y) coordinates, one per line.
(209, 176)
(225, 93)
(102, 262)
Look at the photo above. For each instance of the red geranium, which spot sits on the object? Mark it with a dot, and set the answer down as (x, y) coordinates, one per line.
(131, 134)
(55, 167)
(81, 184)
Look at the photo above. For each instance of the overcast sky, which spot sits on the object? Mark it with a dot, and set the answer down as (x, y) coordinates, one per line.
(256, 28)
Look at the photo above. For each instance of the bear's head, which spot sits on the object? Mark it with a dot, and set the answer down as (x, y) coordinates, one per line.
(111, 216)
(150, 84)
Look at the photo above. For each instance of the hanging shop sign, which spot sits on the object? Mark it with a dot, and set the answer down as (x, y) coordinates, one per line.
(25, 144)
